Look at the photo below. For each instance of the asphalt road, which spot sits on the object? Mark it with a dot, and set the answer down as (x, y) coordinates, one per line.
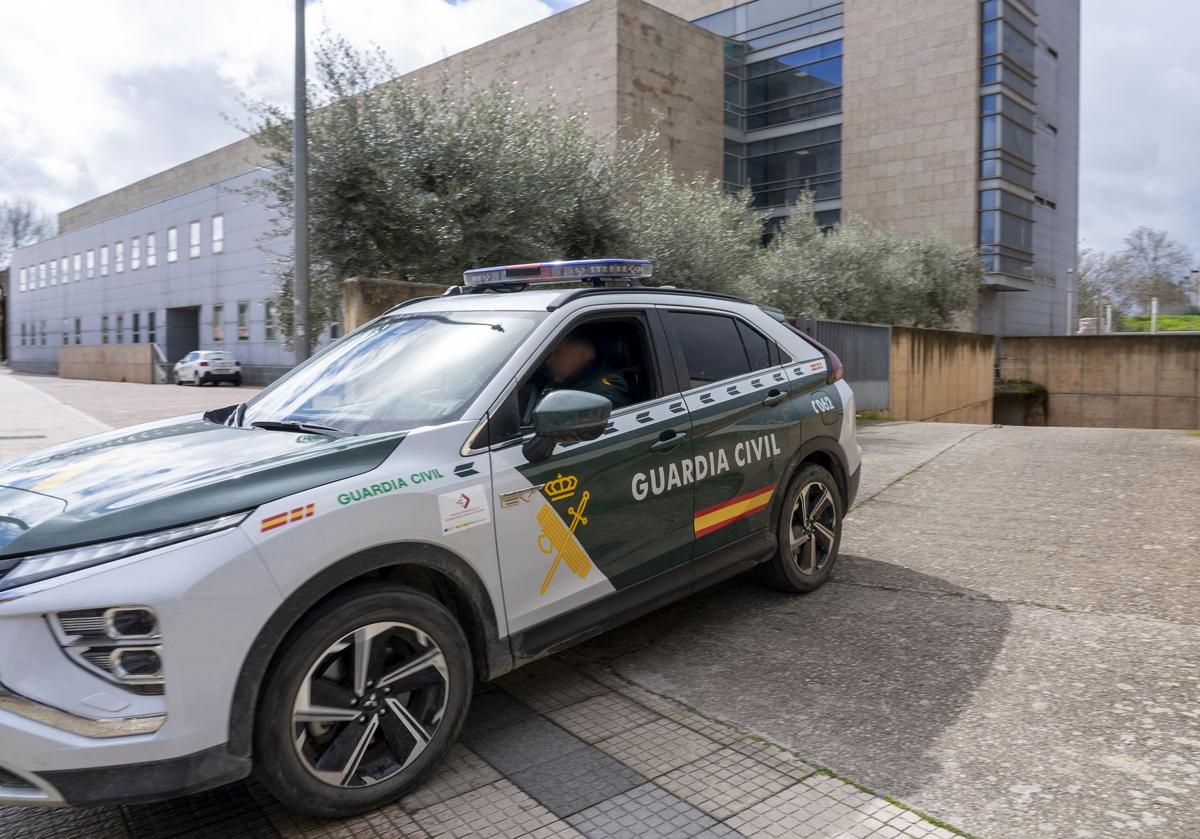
(1011, 640)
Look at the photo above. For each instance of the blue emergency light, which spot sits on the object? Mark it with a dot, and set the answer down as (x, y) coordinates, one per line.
(562, 271)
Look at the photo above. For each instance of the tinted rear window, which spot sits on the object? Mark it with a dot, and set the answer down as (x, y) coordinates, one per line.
(711, 347)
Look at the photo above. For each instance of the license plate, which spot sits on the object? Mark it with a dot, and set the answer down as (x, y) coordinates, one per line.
(222, 369)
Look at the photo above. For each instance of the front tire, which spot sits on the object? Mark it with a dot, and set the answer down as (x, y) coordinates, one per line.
(362, 701)
(809, 532)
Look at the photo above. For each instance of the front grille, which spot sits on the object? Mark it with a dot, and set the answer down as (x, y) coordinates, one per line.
(88, 622)
(10, 781)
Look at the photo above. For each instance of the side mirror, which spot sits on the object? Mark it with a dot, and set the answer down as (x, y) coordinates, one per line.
(565, 416)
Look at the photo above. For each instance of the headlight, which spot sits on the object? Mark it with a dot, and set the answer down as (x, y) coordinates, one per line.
(31, 569)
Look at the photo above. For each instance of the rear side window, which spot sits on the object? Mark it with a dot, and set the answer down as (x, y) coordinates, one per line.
(712, 347)
(758, 349)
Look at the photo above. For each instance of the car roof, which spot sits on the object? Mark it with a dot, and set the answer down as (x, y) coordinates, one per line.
(550, 299)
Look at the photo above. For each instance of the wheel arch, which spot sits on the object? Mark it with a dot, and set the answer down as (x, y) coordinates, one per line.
(824, 451)
(426, 567)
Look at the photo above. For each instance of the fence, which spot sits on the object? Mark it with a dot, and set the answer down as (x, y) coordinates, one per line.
(865, 350)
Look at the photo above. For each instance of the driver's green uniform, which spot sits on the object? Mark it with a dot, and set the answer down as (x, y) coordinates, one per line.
(596, 379)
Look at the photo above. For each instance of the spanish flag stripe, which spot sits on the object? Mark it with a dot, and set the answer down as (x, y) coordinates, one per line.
(727, 512)
(274, 521)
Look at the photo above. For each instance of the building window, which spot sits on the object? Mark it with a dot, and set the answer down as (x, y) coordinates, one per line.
(271, 320)
(193, 239)
(22, 279)
(243, 321)
(66, 336)
(136, 326)
(104, 260)
(151, 332)
(797, 86)
(218, 324)
(172, 244)
(22, 334)
(53, 272)
(91, 264)
(119, 257)
(64, 269)
(781, 169)
(42, 275)
(78, 331)
(43, 334)
(104, 329)
(218, 233)
(135, 253)
(151, 250)
(120, 329)
(78, 267)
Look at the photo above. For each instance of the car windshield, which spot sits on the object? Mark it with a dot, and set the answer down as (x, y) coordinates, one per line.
(400, 372)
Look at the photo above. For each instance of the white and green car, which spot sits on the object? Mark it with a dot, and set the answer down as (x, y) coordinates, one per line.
(310, 584)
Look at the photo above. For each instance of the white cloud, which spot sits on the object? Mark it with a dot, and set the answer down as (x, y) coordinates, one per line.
(1140, 121)
(95, 95)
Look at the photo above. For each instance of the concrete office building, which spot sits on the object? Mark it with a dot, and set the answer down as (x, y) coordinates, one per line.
(954, 115)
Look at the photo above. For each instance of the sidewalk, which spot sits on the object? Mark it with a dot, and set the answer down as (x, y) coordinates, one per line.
(31, 419)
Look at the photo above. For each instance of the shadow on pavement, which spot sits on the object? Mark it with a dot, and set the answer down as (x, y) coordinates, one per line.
(857, 678)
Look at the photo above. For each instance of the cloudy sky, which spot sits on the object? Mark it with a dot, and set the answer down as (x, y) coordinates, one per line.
(96, 95)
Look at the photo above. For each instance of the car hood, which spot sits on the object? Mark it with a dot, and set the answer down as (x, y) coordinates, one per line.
(164, 474)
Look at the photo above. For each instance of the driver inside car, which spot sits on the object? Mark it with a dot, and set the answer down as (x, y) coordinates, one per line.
(574, 364)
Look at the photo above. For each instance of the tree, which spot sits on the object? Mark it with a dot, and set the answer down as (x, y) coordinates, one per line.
(1097, 276)
(22, 223)
(1152, 264)
(857, 271)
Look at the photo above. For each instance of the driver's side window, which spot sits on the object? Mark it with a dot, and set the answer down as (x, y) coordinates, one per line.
(609, 356)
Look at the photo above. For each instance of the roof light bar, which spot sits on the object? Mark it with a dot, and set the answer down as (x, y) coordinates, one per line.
(563, 271)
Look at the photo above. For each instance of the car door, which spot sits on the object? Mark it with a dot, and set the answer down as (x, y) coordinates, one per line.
(745, 428)
(604, 523)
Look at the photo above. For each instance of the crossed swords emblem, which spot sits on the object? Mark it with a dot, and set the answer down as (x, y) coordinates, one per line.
(556, 536)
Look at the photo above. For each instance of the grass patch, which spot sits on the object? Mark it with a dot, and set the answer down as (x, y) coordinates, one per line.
(1166, 323)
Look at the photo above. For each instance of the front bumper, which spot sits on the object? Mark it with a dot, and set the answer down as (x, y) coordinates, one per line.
(69, 735)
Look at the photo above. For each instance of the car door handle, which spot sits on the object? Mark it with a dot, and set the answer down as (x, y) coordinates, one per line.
(666, 444)
(774, 397)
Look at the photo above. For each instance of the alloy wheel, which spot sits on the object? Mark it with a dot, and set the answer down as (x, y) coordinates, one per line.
(370, 704)
(813, 531)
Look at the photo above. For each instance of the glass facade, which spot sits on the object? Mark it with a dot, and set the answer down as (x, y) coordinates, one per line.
(1006, 146)
(769, 87)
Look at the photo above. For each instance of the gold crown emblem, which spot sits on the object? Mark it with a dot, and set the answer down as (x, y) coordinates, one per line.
(561, 487)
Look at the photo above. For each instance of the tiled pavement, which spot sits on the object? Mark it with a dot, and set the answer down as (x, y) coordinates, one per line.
(552, 751)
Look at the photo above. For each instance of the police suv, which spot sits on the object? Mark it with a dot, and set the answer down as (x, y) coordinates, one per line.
(309, 584)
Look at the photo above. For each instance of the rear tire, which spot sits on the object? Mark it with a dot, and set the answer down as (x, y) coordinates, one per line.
(363, 699)
(809, 532)
(237, 380)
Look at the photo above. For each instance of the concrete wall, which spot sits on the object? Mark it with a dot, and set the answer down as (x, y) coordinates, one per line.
(225, 162)
(910, 153)
(941, 376)
(364, 299)
(619, 61)
(108, 363)
(1116, 381)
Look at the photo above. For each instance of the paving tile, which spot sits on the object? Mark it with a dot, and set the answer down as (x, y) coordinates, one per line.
(232, 811)
(576, 780)
(601, 717)
(38, 823)
(492, 710)
(658, 747)
(648, 812)
(558, 830)
(772, 756)
(460, 771)
(497, 811)
(386, 822)
(525, 744)
(797, 812)
(725, 783)
(555, 690)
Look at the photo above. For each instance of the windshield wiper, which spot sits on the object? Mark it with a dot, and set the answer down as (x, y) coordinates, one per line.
(303, 427)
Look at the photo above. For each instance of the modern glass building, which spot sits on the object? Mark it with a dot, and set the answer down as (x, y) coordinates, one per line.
(960, 116)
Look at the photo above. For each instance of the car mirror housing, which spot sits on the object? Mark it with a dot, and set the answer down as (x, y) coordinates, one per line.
(566, 416)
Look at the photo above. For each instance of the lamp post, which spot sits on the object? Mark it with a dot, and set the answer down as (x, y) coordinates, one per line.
(300, 337)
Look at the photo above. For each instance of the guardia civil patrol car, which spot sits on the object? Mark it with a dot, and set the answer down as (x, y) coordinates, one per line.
(308, 585)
